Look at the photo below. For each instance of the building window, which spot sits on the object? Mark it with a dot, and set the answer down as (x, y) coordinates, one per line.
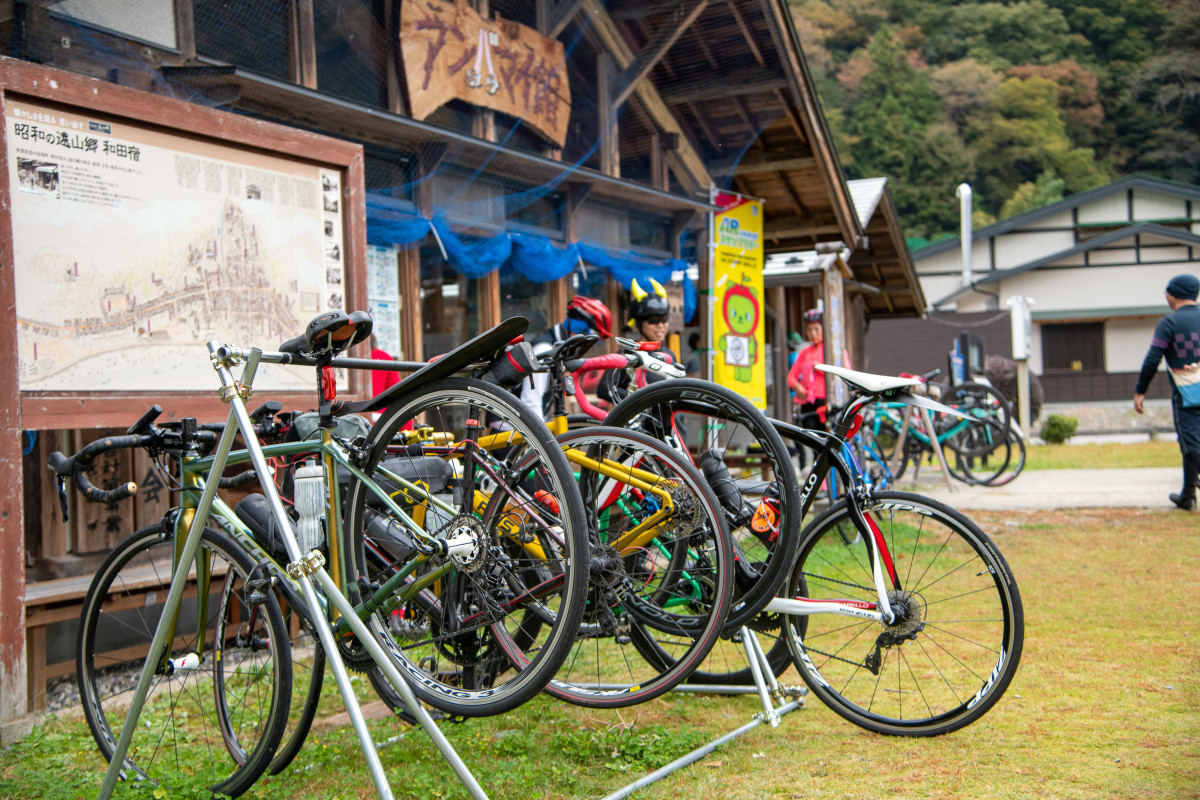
(1073, 347)
(151, 21)
(249, 35)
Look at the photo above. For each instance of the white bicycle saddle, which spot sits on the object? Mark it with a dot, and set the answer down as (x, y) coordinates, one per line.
(866, 382)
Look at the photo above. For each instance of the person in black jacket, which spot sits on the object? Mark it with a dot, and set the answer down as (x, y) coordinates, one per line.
(648, 312)
(1177, 337)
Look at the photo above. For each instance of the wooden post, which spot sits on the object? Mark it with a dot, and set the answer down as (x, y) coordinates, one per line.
(13, 686)
(302, 44)
(412, 331)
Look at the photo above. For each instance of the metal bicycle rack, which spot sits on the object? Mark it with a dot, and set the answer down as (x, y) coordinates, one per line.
(239, 419)
(777, 701)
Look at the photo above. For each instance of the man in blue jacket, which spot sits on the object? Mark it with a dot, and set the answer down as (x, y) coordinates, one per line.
(1178, 338)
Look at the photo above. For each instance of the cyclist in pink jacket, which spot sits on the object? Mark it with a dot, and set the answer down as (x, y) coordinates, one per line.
(806, 382)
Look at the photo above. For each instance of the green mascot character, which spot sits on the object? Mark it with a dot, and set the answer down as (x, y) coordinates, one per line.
(740, 309)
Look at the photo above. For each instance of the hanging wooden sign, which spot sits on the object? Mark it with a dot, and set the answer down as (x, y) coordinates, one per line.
(450, 52)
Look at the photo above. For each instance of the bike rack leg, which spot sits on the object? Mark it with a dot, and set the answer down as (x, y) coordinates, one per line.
(765, 686)
(159, 642)
(937, 449)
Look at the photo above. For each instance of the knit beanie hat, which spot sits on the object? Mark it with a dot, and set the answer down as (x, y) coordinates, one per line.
(1185, 287)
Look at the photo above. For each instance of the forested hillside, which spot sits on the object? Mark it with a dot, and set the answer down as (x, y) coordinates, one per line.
(1026, 100)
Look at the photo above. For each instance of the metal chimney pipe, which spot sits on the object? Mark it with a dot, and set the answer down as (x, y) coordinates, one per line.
(963, 193)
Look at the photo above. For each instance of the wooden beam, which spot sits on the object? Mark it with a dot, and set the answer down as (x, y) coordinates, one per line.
(736, 84)
(755, 163)
(185, 29)
(560, 15)
(610, 156)
(302, 43)
(746, 34)
(679, 19)
(690, 169)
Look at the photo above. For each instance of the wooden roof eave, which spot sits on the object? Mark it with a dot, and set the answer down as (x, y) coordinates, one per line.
(820, 140)
(280, 100)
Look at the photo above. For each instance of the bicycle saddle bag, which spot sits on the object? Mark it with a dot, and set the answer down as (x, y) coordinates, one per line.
(433, 475)
(254, 511)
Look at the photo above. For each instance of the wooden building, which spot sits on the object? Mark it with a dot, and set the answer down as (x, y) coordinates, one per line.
(481, 128)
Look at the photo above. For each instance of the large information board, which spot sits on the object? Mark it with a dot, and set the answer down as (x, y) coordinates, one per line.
(142, 228)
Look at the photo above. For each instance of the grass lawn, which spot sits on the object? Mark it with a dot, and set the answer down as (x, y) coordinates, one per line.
(1106, 705)
(1102, 456)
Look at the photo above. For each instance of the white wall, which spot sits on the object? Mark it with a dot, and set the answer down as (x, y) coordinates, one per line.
(1126, 341)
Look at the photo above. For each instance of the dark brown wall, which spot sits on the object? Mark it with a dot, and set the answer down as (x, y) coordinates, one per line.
(1067, 387)
(920, 345)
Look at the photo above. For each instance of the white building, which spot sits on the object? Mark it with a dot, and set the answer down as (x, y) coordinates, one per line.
(1094, 265)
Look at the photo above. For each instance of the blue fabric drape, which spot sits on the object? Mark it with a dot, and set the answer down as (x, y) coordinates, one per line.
(691, 299)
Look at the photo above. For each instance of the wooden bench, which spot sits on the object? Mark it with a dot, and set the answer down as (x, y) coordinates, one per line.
(61, 600)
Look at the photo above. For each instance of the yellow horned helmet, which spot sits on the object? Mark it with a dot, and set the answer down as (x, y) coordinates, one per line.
(647, 305)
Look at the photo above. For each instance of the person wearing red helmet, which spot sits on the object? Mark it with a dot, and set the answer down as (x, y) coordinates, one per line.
(584, 315)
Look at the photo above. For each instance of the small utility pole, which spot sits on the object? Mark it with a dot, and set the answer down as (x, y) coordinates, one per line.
(1022, 332)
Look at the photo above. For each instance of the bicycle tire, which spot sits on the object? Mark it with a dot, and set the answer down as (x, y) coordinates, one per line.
(980, 402)
(995, 468)
(182, 739)
(719, 421)
(482, 669)
(654, 610)
(957, 644)
(309, 671)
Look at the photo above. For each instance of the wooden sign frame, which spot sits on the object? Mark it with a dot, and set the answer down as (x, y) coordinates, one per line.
(193, 126)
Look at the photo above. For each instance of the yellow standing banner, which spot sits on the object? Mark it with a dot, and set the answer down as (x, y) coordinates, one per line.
(737, 288)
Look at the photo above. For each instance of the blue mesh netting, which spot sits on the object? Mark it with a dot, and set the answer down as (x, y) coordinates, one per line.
(470, 255)
(388, 225)
(540, 259)
(627, 266)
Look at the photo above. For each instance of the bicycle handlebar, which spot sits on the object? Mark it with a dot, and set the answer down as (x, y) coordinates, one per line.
(172, 436)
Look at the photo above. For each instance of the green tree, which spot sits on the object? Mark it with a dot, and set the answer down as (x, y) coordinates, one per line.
(889, 123)
(1170, 82)
(1028, 136)
(1000, 34)
(1046, 190)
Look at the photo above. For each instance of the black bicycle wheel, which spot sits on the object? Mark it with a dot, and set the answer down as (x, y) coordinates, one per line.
(308, 673)
(747, 465)
(997, 467)
(216, 710)
(459, 641)
(983, 404)
(661, 570)
(956, 643)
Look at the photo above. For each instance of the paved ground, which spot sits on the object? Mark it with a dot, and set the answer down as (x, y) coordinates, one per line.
(1058, 488)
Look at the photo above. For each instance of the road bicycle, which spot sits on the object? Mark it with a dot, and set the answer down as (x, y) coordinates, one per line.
(937, 625)
(660, 562)
(899, 613)
(475, 654)
(986, 446)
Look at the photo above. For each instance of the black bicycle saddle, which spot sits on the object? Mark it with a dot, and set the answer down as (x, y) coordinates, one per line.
(330, 334)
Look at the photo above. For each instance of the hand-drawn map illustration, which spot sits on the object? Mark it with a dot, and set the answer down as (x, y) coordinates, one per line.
(133, 247)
